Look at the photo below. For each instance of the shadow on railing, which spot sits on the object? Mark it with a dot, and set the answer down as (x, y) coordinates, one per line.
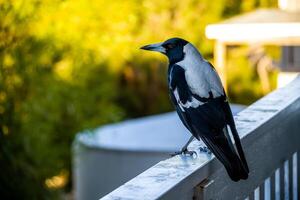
(270, 132)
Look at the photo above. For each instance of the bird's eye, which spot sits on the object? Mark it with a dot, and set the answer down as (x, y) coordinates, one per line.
(170, 46)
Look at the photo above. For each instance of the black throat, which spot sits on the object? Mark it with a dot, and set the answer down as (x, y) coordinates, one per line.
(175, 54)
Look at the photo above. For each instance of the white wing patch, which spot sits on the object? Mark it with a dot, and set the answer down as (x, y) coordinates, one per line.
(194, 103)
(200, 76)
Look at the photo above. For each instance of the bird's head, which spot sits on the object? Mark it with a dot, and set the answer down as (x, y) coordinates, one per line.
(173, 48)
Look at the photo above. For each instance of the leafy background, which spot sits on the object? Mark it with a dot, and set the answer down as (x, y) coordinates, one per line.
(69, 65)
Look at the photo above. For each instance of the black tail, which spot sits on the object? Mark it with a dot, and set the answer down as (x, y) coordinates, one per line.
(239, 147)
(235, 135)
(224, 150)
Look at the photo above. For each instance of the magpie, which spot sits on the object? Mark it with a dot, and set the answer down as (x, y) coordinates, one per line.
(201, 103)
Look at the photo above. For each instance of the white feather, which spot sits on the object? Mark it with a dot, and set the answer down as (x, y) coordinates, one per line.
(178, 99)
(200, 76)
(194, 103)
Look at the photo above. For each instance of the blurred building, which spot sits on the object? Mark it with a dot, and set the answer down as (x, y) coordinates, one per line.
(262, 27)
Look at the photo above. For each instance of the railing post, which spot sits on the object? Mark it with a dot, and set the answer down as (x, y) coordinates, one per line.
(220, 61)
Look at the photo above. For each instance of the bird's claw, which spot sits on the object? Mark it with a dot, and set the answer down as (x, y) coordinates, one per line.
(205, 149)
(184, 152)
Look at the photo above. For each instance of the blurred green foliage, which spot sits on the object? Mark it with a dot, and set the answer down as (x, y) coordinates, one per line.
(71, 65)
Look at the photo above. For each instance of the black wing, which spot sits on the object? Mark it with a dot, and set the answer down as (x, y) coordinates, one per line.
(181, 114)
(209, 121)
(175, 81)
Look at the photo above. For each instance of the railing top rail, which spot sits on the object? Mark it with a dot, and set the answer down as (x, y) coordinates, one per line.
(180, 174)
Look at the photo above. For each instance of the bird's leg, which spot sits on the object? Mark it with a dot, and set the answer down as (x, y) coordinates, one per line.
(184, 149)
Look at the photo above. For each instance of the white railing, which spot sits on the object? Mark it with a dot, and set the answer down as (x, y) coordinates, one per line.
(270, 132)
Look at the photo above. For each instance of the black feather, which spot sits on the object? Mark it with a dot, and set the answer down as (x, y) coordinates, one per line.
(208, 121)
(177, 81)
(230, 122)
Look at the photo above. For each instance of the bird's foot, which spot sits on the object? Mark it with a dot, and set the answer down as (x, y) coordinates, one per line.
(184, 152)
(205, 149)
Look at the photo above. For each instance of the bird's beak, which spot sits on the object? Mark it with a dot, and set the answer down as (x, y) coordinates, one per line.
(155, 47)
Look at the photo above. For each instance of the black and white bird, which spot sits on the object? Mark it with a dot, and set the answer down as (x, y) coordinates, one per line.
(201, 103)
